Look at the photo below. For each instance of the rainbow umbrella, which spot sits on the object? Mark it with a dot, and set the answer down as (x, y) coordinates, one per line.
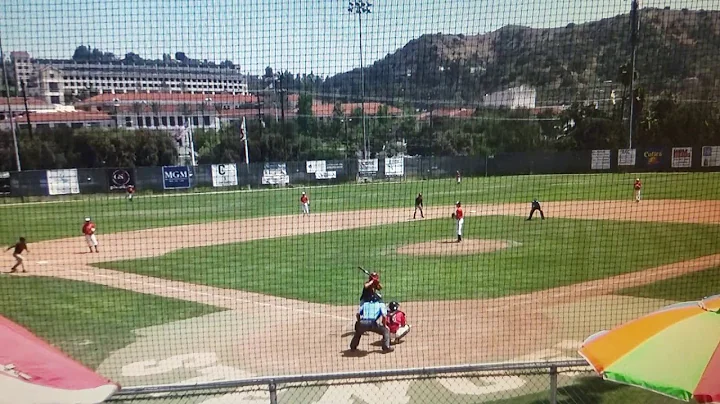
(674, 351)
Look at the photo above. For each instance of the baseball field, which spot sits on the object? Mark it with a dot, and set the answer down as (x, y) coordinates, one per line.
(206, 286)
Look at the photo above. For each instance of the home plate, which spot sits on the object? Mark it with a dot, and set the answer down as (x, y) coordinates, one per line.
(42, 262)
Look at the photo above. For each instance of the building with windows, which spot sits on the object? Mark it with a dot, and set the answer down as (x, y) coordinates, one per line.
(513, 98)
(172, 111)
(118, 77)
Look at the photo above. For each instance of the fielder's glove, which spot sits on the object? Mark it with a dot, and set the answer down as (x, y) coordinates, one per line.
(452, 215)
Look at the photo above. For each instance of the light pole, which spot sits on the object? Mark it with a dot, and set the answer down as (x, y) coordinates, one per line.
(360, 8)
(634, 28)
(10, 111)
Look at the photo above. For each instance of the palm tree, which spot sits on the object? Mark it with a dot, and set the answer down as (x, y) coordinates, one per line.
(155, 107)
(137, 108)
(185, 111)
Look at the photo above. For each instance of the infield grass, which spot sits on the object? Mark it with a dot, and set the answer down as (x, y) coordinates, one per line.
(112, 213)
(85, 320)
(321, 267)
(685, 288)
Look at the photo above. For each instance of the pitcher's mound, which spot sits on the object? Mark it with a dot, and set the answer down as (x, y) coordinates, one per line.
(449, 247)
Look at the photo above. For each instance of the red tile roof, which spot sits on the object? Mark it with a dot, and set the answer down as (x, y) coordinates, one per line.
(321, 109)
(32, 101)
(170, 98)
(78, 116)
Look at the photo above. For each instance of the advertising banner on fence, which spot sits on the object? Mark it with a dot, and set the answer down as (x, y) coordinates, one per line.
(681, 157)
(176, 177)
(626, 157)
(119, 179)
(275, 174)
(653, 157)
(224, 175)
(62, 182)
(325, 175)
(394, 167)
(600, 160)
(312, 167)
(369, 166)
(334, 166)
(711, 156)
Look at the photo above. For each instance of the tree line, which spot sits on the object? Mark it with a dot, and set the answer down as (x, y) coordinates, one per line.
(661, 122)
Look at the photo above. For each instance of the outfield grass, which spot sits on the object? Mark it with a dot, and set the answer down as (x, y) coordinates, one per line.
(321, 267)
(685, 288)
(113, 213)
(85, 320)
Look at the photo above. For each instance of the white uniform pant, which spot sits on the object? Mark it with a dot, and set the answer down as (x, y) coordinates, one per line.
(638, 194)
(91, 240)
(306, 208)
(401, 332)
(459, 226)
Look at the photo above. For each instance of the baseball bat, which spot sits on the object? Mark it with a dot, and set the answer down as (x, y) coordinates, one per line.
(364, 270)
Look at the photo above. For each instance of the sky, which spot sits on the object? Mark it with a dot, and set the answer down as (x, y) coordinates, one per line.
(304, 36)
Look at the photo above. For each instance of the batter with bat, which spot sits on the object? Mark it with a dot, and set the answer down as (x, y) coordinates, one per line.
(370, 287)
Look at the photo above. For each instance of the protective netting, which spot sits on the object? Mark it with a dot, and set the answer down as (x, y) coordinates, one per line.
(204, 188)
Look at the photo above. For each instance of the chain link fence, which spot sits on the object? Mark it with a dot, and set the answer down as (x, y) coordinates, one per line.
(551, 382)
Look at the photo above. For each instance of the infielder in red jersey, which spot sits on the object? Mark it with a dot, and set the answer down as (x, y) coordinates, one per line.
(19, 247)
(638, 189)
(130, 191)
(305, 203)
(88, 230)
(459, 220)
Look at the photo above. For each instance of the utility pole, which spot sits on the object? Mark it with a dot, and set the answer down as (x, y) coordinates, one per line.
(634, 28)
(360, 8)
(10, 112)
(27, 110)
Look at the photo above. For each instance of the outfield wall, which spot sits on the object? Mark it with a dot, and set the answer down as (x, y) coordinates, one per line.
(103, 180)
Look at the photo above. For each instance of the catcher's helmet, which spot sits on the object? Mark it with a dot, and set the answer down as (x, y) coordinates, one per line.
(394, 306)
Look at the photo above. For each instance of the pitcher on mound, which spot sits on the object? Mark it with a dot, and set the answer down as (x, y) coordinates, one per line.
(459, 220)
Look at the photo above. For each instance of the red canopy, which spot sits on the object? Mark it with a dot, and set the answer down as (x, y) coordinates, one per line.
(33, 371)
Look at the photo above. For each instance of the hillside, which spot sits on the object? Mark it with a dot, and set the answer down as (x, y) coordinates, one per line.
(565, 63)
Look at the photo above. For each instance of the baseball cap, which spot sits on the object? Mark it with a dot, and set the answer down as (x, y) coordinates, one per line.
(87, 219)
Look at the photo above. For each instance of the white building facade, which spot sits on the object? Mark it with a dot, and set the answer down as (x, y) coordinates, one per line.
(513, 98)
(121, 78)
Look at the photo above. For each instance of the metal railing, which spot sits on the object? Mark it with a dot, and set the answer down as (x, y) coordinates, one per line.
(272, 384)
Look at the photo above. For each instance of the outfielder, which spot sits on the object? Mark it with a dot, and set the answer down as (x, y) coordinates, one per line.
(305, 202)
(638, 190)
(457, 177)
(459, 220)
(130, 191)
(88, 230)
(19, 247)
(419, 206)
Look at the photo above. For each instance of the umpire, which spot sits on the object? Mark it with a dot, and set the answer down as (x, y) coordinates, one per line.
(535, 205)
(367, 320)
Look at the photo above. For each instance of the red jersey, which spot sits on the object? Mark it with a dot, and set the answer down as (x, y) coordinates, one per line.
(131, 189)
(395, 321)
(88, 228)
(457, 175)
(304, 199)
(458, 213)
(19, 248)
(638, 185)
